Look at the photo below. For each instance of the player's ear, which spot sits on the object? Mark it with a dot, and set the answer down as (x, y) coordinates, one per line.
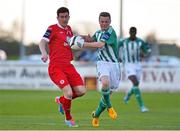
(110, 20)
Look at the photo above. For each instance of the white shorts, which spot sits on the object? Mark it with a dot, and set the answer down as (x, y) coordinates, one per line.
(112, 70)
(133, 69)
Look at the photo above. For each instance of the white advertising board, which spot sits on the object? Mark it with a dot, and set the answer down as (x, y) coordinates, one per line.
(17, 75)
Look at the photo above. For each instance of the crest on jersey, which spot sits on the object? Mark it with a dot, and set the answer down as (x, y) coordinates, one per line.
(61, 82)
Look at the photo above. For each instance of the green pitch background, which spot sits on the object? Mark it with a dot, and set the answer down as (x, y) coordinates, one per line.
(36, 110)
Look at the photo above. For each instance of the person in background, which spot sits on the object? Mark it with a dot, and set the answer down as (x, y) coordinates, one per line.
(131, 51)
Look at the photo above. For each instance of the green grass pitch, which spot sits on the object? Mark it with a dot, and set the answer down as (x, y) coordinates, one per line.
(36, 110)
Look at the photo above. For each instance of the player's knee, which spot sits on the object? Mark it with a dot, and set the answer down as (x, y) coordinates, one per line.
(67, 91)
(82, 91)
(105, 84)
(68, 94)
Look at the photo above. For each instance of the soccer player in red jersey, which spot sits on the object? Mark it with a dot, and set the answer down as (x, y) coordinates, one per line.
(60, 69)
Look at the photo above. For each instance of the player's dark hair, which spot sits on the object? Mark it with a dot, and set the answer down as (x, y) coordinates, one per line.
(133, 29)
(105, 14)
(62, 10)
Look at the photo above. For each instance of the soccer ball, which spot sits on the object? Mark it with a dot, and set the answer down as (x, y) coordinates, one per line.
(76, 42)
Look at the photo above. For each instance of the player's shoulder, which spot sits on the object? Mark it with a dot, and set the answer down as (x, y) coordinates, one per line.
(68, 26)
(139, 39)
(52, 27)
(111, 30)
(122, 39)
(125, 39)
(98, 31)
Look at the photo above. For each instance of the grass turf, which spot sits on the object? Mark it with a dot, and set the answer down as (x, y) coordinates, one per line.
(36, 110)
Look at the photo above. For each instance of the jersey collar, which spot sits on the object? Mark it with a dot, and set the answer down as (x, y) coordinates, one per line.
(61, 26)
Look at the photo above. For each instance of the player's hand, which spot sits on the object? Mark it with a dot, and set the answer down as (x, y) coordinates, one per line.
(143, 56)
(44, 58)
(87, 38)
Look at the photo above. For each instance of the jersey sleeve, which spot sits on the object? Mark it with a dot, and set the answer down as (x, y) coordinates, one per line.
(47, 35)
(94, 37)
(109, 37)
(145, 48)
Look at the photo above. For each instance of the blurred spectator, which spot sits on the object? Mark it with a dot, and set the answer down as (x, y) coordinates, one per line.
(87, 55)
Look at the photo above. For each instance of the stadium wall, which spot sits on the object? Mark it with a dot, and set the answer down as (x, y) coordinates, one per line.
(31, 75)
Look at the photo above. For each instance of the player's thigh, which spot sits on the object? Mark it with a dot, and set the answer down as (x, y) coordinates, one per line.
(74, 77)
(103, 72)
(102, 69)
(115, 76)
(79, 90)
(76, 82)
(130, 70)
(58, 77)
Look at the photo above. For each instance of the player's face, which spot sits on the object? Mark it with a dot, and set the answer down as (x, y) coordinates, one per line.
(104, 22)
(63, 19)
(132, 34)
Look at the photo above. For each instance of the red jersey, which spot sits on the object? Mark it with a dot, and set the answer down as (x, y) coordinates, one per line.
(60, 52)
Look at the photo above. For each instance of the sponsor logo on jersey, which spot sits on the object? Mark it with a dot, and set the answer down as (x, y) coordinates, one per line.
(105, 36)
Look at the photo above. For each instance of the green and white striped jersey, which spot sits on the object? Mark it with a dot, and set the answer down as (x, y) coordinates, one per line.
(109, 52)
(130, 50)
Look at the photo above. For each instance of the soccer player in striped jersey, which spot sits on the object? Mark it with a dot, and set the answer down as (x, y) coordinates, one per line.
(108, 68)
(132, 50)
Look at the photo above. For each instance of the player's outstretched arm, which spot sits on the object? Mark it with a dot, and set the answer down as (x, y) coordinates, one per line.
(94, 44)
(80, 42)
